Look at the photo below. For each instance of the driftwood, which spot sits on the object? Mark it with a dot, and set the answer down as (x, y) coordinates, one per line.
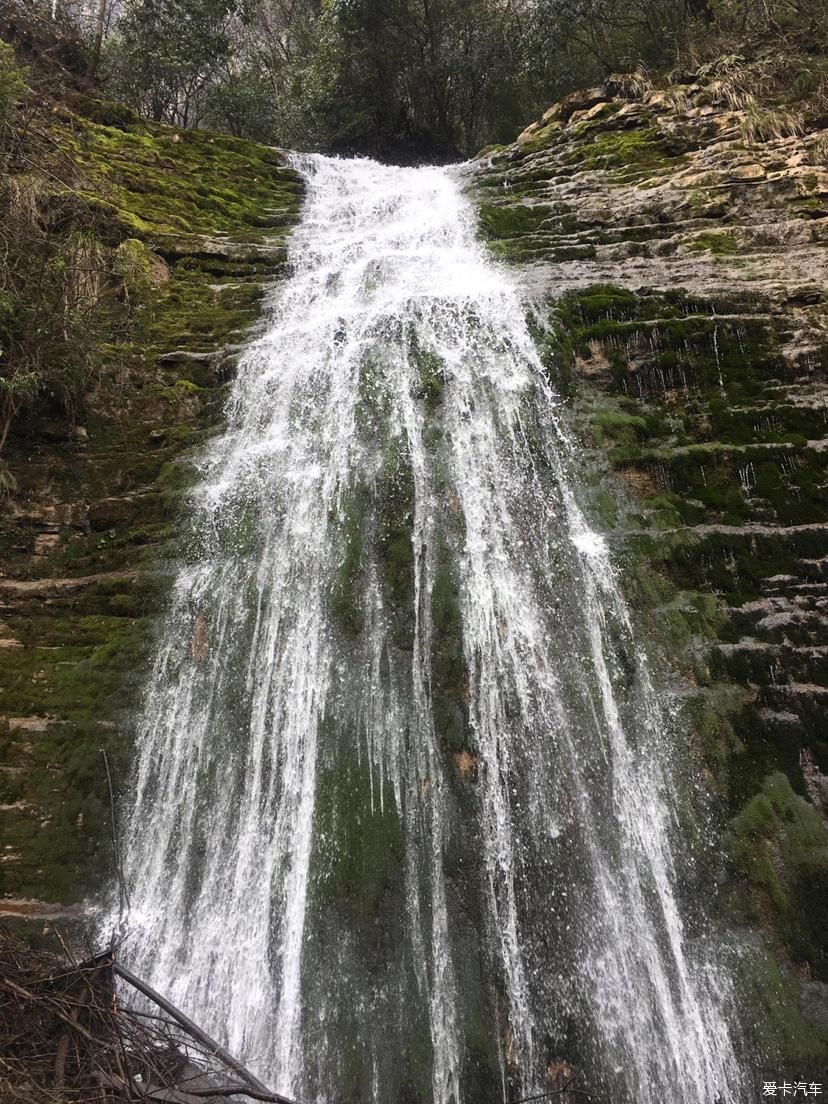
(260, 1091)
(65, 1038)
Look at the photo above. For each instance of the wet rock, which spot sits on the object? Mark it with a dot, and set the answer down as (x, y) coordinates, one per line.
(195, 228)
(691, 347)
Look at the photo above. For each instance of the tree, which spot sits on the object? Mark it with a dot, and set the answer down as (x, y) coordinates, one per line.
(421, 77)
(166, 53)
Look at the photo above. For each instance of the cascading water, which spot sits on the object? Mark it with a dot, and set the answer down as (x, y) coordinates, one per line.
(404, 818)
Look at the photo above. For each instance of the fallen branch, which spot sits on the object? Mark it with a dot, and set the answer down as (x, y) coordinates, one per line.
(259, 1091)
(26, 995)
(65, 1037)
(567, 1089)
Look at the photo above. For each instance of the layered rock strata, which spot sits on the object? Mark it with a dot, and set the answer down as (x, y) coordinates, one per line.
(673, 241)
(89, 507)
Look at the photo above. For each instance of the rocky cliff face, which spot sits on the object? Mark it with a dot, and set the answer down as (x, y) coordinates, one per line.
(673, 239)
(87, 514)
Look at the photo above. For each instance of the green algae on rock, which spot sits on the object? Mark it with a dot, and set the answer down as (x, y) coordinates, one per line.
(194, 226)
(690, 347)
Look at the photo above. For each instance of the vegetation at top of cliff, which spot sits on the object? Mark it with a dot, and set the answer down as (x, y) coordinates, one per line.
(132, 258)
(408, 79)
(49, 264)
(95, 203)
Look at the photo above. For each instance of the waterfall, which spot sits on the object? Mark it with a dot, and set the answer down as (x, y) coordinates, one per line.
(408, 804)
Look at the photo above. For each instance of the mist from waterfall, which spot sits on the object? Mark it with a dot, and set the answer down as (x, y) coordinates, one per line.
(405, 818)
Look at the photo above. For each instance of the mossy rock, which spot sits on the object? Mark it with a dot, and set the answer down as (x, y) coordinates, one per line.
(780, 843)
(721, 243)
(360, 833)
(156, 391)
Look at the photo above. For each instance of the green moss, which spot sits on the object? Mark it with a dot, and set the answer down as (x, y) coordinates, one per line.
(60, 835)
(683, 352)
(164, 180)
(432, 375)
(175, 478)
(345, 602)
(578, 310)
(105, 112)
(664, 511)
(395, 496)
(712, 713)
(616, 428)
(769, 989)
(187, 314)
(73, 680)
(360, 836)
(512, 220)
(72, 668)
(448, 666)
(540, 139)
(218, 211)
(605, 509)
(633, 150)
(781, 845)
(718, 242)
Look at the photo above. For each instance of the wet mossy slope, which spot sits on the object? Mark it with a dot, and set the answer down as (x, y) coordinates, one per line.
(189, 230)
(674, 247)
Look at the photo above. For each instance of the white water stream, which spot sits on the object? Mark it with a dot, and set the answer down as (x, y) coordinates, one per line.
(524, 899)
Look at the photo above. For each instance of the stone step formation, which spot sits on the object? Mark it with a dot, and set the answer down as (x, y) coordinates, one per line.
(88, 518)
(675, 255)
